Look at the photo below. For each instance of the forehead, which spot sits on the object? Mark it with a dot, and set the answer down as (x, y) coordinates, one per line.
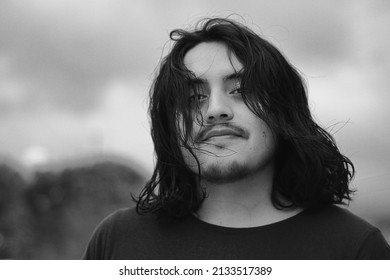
(211, 60)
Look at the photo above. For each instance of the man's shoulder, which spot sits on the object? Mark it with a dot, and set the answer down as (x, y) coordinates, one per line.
(123, 214)
(126, 234)
(340, 224)
(126, 218)
(118, 235)
(340, 217)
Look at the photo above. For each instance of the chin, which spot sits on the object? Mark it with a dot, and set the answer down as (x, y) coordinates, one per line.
(225, 173)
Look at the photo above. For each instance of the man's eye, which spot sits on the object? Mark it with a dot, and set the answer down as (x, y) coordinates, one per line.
(236, 91)
(197, 98)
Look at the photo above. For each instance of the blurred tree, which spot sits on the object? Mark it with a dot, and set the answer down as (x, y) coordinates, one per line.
(67, 206)
(14, 234)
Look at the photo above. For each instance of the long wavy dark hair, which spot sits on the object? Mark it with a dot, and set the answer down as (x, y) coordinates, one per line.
(310, 171)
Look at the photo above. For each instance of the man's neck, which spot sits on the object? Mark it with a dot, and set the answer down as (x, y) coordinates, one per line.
(243, 203)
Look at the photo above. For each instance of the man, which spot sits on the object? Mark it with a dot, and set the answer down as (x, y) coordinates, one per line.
(242, 170)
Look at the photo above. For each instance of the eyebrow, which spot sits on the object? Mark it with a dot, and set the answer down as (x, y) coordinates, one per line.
(233, 76)
(230, 77)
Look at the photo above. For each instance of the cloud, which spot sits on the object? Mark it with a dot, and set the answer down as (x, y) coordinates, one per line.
(65, 51)
(117, 125)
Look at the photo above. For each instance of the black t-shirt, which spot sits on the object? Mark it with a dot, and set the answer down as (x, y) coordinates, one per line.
(330, 233)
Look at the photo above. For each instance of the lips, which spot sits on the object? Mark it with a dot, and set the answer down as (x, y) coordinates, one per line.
(220, 130)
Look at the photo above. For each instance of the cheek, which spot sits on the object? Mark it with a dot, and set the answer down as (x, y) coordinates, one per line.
(269, 143)
(268, 137)
(195, 129)
(189, 160)
(265, 139)
(196, 124)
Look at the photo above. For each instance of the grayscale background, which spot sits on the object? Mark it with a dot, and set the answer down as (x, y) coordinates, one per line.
(74, 79)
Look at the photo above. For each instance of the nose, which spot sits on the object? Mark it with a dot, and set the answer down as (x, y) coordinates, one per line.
(219, 108)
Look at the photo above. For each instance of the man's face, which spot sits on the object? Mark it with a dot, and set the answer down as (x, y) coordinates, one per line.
(231, 142)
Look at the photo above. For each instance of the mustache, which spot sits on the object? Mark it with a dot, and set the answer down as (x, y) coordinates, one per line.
(228, 128)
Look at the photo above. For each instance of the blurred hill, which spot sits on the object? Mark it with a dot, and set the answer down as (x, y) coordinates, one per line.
(53, 215)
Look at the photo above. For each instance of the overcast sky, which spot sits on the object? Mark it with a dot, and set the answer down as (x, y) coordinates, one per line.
(74, 75)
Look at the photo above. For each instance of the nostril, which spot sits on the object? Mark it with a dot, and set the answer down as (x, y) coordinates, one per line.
(224, 115)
